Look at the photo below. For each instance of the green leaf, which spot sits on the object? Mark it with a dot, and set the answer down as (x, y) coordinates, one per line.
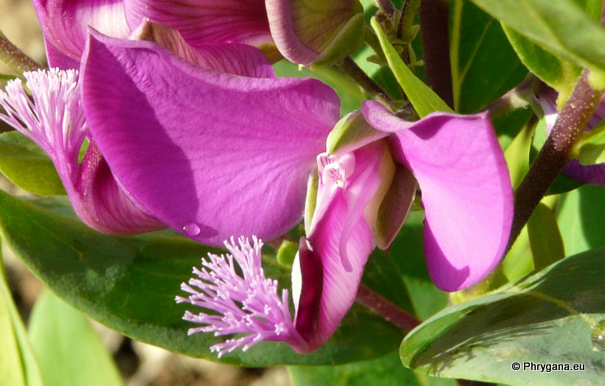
(548, 318)
(580, 216)
(10, 356)
(554, 71)
(562, 27)
(385, 371)
(517, 153)
(27, 166)
(18, 363)
(422, 97)
(592, 148)
(69, 350)
(129, 284)
(544, 237)
(407, 252)
(484, 65)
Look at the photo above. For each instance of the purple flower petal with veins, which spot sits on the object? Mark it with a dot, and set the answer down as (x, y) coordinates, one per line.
(232, 153)
(466, 190)
(65, 25)
(206, 21)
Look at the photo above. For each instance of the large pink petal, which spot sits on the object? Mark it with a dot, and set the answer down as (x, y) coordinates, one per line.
(65, 22)
(206, 21)
(210, 154)
(466, 190)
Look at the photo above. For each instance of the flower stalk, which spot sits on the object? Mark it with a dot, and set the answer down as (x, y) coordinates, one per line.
(16, 59)
(351, 68)
(387, 309)
(434, 27)
(555, 153)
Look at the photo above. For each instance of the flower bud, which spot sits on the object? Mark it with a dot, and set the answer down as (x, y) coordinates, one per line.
(316, 32)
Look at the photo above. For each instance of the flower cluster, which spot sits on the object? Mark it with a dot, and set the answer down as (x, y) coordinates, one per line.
(185, 125)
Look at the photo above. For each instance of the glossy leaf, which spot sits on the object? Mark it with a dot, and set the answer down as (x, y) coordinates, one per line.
(407, 251)
(422, 97)
(18, 363)
(554, 71)
(480, 73)
(385, 371)
(27, 166)
(129, 284)
(547, 318)
(561, 27)
(69, 350)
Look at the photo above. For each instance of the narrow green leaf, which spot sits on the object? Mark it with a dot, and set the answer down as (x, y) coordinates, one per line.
(27, 166)
(546, 319)
(561, 27)
(484, 65)
(422, 97)
(18, 363)
(69, 350)
(544, 237)
(129, 284)
(10, 356)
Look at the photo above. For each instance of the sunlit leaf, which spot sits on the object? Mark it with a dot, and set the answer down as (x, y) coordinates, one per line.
(422, 97)
(27, 166)
(129, 284)
(18, 363)
(547, 318)
(69, 350)
(561, 27)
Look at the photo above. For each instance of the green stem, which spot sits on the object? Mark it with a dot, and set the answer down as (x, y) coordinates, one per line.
(519, 97)
(351, 68)
(406, 22)
(14, 58)
(555, 153)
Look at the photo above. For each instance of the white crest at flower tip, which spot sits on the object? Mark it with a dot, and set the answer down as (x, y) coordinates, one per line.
(52, 117)
(243, 305)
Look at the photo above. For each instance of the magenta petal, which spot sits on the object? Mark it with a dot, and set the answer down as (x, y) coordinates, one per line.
(231, 58)
(53, 117)
(466, 190)
(57, 59)
(212, 155)
(206, 21)
(317, 322)
(340, 238)
(65, 23)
